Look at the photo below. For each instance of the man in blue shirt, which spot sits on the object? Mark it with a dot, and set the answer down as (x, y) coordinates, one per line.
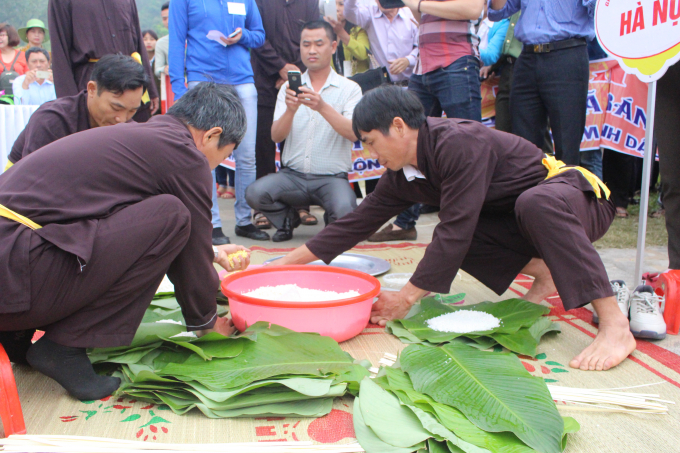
(219, 35)
(33, 88)
(551, 74)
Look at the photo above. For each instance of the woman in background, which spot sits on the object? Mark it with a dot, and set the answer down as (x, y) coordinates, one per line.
(150, 38)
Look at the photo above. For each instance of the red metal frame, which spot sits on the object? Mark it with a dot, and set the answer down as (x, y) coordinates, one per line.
(10, 407)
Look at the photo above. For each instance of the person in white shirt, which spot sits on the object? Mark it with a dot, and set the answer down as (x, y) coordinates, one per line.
(317, 128)
(36, 86)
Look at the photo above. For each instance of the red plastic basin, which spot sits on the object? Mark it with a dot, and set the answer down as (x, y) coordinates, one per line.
(339, 319)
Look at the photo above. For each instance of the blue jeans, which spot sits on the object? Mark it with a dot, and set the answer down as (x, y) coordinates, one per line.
(244, 156)
(454, 89)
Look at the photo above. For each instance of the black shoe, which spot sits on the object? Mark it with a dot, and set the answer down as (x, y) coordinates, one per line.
(286, 233)
(218, 237)
(249, 231)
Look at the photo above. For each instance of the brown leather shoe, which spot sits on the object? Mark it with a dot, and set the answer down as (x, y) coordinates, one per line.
(390, 234)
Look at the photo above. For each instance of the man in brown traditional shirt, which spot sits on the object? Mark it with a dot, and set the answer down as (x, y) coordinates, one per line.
(83, 31)
(91, 223)
(499, 216)
(112, 97)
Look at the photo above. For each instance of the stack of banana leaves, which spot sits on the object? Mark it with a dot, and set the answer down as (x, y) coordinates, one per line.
(454, 398)
(522, 324)
(266, 371)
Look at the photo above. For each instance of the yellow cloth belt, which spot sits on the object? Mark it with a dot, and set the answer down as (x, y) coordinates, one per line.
(9, 214)
(8, 166)
(138, 59)
(555, 167)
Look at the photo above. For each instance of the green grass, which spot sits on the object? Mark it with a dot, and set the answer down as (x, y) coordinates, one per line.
(623, 233)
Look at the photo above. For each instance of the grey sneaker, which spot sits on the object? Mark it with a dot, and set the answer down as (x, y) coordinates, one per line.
(622, 294)
(646, 320)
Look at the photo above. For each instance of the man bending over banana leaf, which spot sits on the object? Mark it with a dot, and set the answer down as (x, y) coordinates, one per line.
(91, 223)
(506, 208)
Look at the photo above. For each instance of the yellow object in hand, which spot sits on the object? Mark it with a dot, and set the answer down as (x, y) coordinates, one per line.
(239, 254)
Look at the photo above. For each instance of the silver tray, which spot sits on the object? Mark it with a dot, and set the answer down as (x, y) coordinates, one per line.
(364, 263)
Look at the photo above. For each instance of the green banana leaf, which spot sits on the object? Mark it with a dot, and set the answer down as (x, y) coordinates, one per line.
(317, 407)
(493, 390)
(369, 441)
(387, 418)
(269, 356)
(513, 314)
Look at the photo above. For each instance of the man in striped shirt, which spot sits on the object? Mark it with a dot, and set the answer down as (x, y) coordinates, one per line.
(446, 77)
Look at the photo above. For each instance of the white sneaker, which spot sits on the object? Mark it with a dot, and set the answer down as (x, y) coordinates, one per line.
(622, 294)
(646, 320)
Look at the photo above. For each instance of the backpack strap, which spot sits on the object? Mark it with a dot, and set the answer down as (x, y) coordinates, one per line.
(11, 68)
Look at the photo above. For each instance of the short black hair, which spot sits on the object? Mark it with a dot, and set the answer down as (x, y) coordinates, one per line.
(317, 24)
(378, 108)
(209, 105)
(119, 73)
(165, 6)
(153, 34)
(37, 50)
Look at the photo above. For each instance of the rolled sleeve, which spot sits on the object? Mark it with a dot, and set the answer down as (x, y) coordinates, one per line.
(510, 8)
(352, 101)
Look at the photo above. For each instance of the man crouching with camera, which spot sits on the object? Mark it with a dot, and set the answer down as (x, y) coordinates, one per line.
(316, 124)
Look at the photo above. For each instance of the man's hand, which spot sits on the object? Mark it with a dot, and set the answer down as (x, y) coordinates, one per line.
(223, 257)
(234, 40)
(311, 99)
(51, 77)
(30, 78)
(339, 29)
(155, 102)
(166, 70)
(390, 305)
(283, 72)
(223, 326)
(279, 83)
(485, 72)
(292, 101)
(399, 65)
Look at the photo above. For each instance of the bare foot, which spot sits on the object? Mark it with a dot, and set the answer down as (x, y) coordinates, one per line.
(613, 342)
(543, 285)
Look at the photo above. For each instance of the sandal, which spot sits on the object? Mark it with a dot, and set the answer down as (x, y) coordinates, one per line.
(225, 192)
(306, 218)
(621, 213)
(261, 222)
(658, 214)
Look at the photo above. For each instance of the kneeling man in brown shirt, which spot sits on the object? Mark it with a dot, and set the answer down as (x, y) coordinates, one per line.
(506, 208)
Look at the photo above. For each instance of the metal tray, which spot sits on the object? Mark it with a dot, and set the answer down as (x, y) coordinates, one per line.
(364, 263)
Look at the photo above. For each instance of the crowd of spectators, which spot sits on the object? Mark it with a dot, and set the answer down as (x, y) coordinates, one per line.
(440, 50)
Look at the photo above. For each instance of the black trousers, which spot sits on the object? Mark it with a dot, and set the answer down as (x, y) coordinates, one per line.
(551, 85)
(666, 127)
(103, 305)
(503, 116)
(619, 175)
(553, 221)
(265, 148)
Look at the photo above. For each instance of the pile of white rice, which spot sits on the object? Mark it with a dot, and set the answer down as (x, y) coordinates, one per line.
(293, 293)
(464, 321)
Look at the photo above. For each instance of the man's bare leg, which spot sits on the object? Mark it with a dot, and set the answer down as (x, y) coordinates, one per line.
(613, 342)
(543, 283)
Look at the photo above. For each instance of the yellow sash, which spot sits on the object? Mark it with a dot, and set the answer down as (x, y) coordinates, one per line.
(555, 167)
(9, 214)
(8, 166)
